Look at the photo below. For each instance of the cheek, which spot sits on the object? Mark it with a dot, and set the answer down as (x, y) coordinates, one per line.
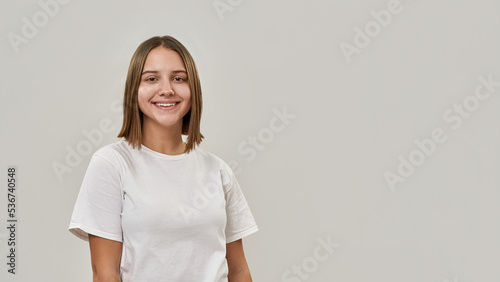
(186, 94)
(147, 89)
(188, 106)
(187, 99)
(142, 97)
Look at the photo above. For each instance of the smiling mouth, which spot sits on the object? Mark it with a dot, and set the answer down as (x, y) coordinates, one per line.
(166, 105)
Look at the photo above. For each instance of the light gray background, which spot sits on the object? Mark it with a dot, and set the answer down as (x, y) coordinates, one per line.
(322, 175)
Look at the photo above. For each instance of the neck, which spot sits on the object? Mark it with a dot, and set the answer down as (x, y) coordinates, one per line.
(163, 140)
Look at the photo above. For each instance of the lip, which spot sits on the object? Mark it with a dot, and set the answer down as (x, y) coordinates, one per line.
(166, 101)
(166, 108)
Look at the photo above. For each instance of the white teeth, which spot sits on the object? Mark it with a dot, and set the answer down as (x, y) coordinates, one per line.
(165, 104)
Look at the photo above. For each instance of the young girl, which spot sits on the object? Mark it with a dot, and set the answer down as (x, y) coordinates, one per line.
(152, 207)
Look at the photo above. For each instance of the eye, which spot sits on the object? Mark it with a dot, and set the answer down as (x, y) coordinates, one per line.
(178, 78)
(151, 79)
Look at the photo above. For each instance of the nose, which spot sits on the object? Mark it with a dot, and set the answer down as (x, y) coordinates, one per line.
(166, 88)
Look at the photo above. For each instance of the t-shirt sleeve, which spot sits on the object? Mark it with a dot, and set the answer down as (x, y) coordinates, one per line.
(98, 207)
(240, 221)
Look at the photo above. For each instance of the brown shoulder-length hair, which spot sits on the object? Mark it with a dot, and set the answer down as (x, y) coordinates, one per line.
(133, 116)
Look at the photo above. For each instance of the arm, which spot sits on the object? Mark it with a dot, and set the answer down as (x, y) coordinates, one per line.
(236, 262)
(105, 256)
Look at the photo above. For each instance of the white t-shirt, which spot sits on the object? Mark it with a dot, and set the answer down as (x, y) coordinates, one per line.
(174, 214)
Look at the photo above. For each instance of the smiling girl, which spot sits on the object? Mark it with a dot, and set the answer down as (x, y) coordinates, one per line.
(152, 207)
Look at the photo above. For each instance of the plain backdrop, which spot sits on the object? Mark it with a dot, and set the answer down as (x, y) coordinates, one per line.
(318, 175)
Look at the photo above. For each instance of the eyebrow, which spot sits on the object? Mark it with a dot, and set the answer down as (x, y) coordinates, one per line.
(154, 71)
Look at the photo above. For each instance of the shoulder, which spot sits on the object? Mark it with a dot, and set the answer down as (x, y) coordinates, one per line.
(212, 159)
(227, 175)
(113, 152)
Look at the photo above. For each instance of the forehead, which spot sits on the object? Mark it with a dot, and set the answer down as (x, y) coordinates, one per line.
(162, 58)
